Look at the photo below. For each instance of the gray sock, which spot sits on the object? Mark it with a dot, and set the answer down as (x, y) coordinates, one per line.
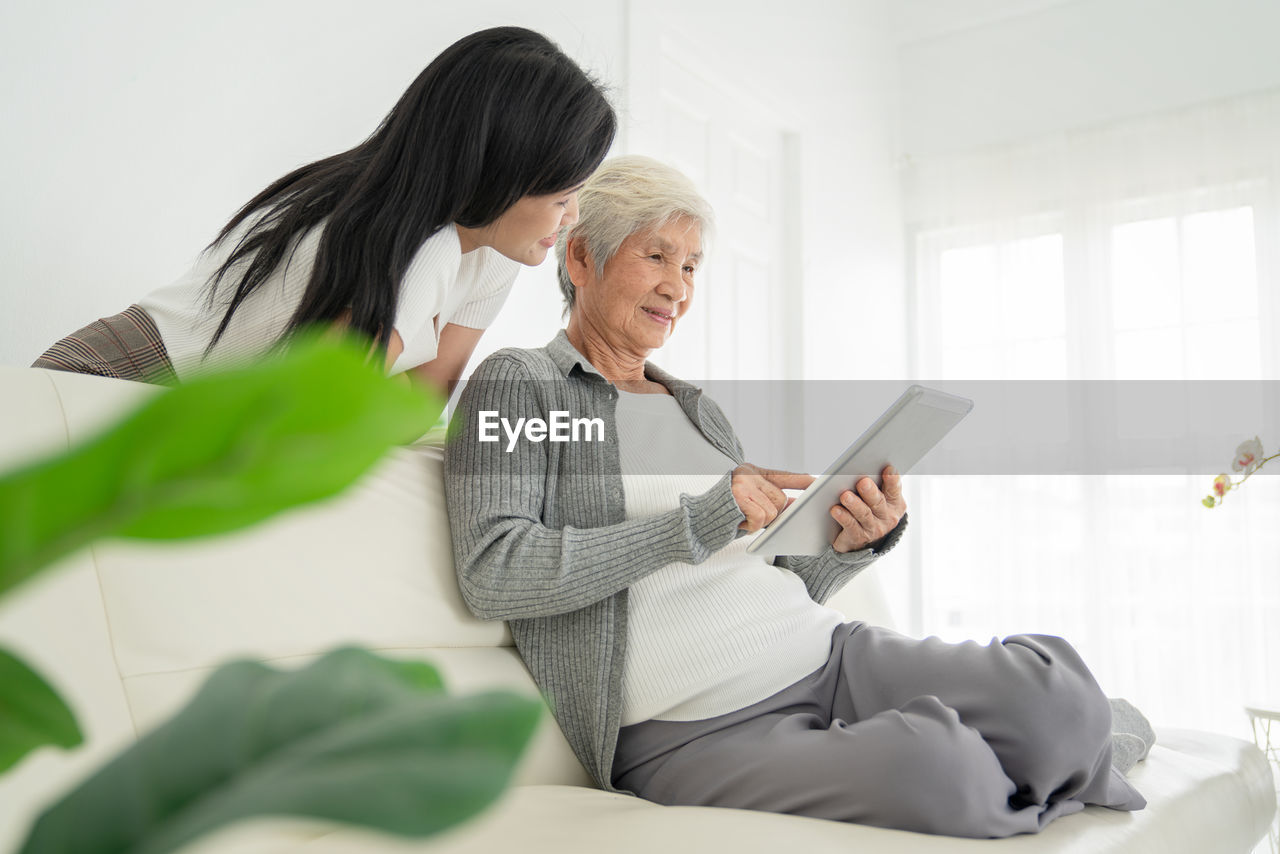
(1126, 750)
(1127, 720)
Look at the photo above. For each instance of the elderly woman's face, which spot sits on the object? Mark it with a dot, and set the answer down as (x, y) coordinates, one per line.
(646, 287)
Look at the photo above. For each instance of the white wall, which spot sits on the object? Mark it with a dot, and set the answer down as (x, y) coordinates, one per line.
(135, 129)
(829, 67)
(1075, 64)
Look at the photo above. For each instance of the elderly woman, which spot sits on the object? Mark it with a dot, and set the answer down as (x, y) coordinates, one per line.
(685, 670)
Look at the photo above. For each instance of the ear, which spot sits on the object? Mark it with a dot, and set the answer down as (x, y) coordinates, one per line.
(578, 263)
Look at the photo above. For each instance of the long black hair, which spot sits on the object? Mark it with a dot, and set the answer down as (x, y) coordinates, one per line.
(500, 114)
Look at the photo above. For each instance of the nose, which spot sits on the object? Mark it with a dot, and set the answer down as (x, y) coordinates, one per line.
(672, 285)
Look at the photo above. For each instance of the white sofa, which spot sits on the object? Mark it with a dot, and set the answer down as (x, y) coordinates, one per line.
(127, 632)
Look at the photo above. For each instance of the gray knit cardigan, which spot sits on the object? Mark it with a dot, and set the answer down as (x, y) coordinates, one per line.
(541, 539)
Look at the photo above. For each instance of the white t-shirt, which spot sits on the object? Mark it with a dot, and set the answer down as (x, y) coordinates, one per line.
(442, 285)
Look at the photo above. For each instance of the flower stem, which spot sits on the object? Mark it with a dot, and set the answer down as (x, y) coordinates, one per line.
(1255, 469)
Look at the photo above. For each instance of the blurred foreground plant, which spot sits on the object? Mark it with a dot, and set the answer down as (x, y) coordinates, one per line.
(353, 737)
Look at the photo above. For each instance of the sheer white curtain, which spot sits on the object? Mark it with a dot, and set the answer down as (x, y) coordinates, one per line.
(1145, 250)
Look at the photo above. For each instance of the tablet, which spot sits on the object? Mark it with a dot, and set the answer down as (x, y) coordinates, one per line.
(902, 436)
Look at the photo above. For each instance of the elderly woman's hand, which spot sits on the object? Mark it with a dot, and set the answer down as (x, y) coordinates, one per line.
(759, 493)
(870, 513)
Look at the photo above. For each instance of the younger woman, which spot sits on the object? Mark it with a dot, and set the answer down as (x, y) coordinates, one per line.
(412, 238)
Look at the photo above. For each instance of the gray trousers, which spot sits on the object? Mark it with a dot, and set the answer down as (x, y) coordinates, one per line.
(960, 739)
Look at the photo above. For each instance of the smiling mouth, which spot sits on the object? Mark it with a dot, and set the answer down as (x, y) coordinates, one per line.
(659, 315)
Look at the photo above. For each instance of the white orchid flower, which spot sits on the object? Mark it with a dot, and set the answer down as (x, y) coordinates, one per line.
(1248, 455)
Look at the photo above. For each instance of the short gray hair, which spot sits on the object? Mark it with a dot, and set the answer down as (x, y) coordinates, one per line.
(627, 195)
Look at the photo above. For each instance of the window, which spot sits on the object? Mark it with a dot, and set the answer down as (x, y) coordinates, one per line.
(1001, 310)
(1169, 602)
(1184, 297)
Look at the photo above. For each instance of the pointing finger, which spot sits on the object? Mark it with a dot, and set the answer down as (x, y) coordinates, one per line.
(771, 493)
(787, 479)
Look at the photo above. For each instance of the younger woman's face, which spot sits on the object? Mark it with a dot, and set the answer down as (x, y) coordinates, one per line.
(527, 230)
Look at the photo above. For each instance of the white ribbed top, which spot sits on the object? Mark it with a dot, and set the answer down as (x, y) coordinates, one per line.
(442, 285)
(707, 639)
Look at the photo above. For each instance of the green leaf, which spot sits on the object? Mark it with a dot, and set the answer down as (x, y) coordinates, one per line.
(353, 738)
(31, 713)
(214, 455)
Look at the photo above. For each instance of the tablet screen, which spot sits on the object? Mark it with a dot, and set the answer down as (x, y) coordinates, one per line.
(906, 431)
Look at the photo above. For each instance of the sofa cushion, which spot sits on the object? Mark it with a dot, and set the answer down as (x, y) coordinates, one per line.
(1203, 796)
(55, 623)
(371, 567)
(31, 423)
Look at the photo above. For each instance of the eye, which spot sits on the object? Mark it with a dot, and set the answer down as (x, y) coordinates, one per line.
(690, 269)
